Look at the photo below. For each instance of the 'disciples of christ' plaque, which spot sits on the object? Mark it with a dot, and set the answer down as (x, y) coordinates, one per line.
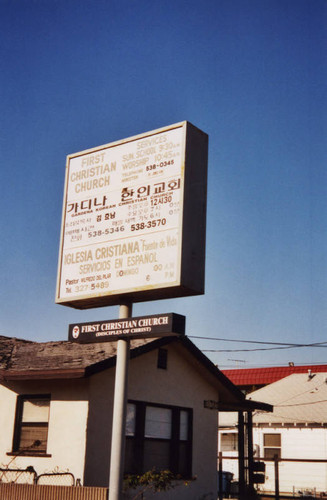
(157, 325)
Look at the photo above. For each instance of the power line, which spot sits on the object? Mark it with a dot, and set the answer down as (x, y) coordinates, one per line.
(303, 404)
(281, 403)
(288, 344)
(279, 345)
(260, 348)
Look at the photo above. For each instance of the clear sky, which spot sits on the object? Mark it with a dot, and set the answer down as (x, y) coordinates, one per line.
(252, 74)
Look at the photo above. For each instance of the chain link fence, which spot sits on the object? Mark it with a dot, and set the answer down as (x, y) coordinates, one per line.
(29, 476)
(20, 476)
(56, 479)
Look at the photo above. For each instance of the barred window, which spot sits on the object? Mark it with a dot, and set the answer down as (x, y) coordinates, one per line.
(31, 427)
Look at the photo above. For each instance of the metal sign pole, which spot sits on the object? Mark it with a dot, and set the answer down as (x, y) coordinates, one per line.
(119, 412)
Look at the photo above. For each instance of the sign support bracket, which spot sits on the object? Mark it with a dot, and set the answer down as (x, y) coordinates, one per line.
(119, 412)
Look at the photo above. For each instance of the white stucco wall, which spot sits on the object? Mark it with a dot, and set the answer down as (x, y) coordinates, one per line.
(179, 385)
(80, 420)
(182, 385)
(67, 425)
(7, 415)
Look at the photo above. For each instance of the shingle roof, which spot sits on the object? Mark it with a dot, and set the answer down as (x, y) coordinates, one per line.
(263, 376)
(297, 399)
(26, 360)
(62, 358)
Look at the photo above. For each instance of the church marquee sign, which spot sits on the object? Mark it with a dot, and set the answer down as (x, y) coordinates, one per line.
(134, 217)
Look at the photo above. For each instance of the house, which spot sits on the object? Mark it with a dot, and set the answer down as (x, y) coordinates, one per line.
(56, 410)
(295, 432)
(251, 379)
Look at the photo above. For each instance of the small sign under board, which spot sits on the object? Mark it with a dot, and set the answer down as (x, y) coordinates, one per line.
(158, 325)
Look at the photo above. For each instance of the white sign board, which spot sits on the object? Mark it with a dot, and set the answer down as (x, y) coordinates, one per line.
(123, 220)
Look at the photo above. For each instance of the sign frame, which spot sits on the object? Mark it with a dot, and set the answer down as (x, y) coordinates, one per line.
(190, 252)
(136, 327)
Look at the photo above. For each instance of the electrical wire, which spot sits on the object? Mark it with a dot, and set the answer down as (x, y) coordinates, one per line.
(238, 340)
(324, 344)
(279, 345)
(255, 350)
(302, 404)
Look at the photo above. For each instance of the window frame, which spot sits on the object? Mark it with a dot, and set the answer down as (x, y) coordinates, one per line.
(277, 448)
(138, 440)
(19, 425)
(233, 440)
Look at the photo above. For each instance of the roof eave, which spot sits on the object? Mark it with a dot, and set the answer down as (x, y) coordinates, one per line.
(245, 405)
(10, 375)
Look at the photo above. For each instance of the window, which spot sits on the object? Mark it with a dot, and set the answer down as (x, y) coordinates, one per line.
(229, 441)
(158, 437)
(272, 445)
(31, 429)
(162, 358)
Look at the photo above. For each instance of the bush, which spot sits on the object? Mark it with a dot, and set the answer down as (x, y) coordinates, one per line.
(151, 480)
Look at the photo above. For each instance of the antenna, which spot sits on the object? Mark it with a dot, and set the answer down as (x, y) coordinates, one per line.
(237, 361)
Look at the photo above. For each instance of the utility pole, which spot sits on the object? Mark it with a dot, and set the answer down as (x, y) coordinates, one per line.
(119, 412)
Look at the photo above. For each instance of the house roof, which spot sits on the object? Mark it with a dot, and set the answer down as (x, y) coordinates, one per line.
(22, 359)
(263, 376)
(297, 399)
(27, 360)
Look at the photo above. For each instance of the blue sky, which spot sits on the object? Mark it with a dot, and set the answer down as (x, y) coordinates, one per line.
(76, 74)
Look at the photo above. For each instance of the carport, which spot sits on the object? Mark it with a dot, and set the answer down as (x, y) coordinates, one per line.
(246, 468)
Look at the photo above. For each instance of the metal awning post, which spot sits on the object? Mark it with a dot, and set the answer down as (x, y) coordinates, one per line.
(220, 476)
(241, 468)
(276, 467)
(250, 449)
(119, 413)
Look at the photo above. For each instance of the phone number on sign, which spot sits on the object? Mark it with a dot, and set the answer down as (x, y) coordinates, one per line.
(159, 165)
(92, 286)
(110, 230)
(149, 224)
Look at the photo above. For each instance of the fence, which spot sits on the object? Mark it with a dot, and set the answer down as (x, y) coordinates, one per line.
(29, 476)
(310, 481)
(20, 476)
(46, 492)
(281, 469)
(56, 479)
(25, 484)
